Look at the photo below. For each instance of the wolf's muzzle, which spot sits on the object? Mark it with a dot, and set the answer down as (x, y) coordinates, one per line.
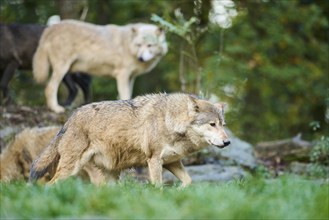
(141, 59)
(226, 143)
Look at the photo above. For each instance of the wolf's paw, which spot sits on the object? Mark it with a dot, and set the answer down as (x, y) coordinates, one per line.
(58, 109)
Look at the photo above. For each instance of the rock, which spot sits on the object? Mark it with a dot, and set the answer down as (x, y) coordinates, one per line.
(239, 151)
(7, 131)
(6, 134)
(209, 173)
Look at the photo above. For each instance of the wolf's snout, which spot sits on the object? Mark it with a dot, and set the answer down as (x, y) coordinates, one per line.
(226, 142)
(140, 59)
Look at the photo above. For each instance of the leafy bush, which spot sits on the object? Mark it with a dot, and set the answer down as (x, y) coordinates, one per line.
(319, 156)
(320, 152)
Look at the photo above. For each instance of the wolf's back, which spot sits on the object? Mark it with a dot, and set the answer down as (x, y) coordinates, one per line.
(17, 157)
(47, 161)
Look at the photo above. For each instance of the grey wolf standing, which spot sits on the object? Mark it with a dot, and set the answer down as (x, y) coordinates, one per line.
(154, 130)
(17, 46)
(122, 52)
(17, 157)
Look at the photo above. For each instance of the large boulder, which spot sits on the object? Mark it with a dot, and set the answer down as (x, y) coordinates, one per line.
(239, 151)
(209, 173)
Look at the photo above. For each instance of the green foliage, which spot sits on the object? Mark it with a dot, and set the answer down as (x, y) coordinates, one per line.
(262, 171)
(279, 64)
(283, 198)
(189, 32)
(319, 156)
(26, 11)
(320, 152)
(182, 28)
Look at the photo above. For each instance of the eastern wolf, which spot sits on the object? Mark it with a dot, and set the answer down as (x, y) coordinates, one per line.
(122, 52)
(154, 130)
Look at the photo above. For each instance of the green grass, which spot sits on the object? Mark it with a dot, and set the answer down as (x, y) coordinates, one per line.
(282, 198)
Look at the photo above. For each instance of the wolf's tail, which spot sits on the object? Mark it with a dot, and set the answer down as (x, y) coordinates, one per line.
(40, 64)
(47, 161)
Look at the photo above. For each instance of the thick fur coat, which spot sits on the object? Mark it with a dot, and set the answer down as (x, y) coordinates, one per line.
(17, 157)
(122, 52)
(153, 130)
(26, 146)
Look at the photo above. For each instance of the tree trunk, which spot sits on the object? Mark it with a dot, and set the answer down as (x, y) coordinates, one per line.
(72, 9)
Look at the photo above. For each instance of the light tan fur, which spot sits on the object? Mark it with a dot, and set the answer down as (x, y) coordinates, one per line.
(122, 52)
(17, 158)
(154, 130)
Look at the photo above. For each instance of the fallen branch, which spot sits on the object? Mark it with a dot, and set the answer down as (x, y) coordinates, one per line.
(293, 149)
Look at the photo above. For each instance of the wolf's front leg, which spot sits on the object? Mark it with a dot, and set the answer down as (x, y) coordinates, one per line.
(96, 175)
(123, 84)
(155, 170)
(179, 171)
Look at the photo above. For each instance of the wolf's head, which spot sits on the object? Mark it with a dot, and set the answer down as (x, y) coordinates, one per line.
(197, 120)
(148, 42)
(208, 123)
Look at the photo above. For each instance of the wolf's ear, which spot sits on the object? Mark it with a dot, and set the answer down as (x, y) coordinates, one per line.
(220, 105)
(134, 30)
(159, 31)
(192, 105)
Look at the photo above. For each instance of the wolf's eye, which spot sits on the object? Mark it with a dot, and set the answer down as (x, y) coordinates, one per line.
(212, 124)
(149, 45)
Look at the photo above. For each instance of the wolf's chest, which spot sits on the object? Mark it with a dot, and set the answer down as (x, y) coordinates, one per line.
(174, 153)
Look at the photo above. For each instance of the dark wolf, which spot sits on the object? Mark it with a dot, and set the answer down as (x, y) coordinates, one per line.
(18, 43)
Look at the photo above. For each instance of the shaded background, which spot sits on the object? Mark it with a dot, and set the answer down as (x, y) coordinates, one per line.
(267, 59)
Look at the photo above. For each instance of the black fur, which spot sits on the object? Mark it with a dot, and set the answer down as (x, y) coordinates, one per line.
(18, 43)
(36, 174)
(61, 132)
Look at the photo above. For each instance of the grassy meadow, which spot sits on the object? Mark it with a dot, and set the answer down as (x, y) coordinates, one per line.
(287, 197)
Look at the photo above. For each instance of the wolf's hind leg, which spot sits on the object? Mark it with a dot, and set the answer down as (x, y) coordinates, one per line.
(179, 171)
(64, 170)
(96, 175)
(52, 88)
(51, 94)
(75, 152)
